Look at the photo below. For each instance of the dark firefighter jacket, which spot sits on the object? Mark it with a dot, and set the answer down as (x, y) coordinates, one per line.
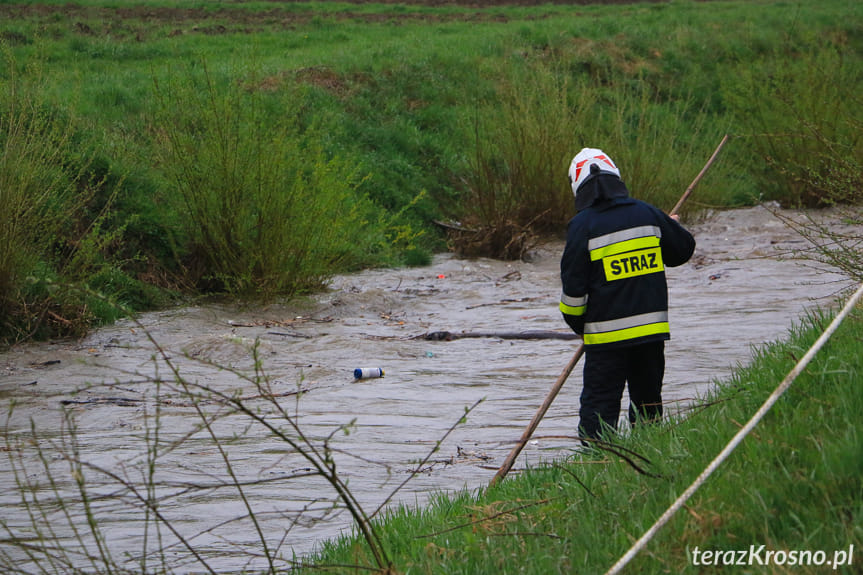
(613, 270)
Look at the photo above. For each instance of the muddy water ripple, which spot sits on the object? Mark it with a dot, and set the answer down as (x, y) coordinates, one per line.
(735, 293)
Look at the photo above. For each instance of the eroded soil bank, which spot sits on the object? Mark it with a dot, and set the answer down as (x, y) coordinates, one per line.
(739, 290)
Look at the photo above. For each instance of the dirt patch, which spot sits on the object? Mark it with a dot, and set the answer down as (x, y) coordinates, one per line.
(236, 19)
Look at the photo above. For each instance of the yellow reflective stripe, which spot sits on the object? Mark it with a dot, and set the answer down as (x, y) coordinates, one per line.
(626, 322)
(625, 328)
(624, 246)
(572, 310)
(571, 305)
(625, 334)
(623, 235)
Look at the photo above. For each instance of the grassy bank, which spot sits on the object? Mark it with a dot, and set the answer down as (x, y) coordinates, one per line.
(794, 484)
(255, 149)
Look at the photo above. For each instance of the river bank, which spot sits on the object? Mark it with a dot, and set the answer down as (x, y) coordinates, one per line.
(787, 499)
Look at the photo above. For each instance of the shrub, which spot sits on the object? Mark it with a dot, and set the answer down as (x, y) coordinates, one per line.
(516, 183)
(266, 210)
(808, 136)
(44, 190)
(803, 118)
(525, 139)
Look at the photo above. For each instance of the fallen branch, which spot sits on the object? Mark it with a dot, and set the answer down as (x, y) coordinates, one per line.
(118, 401)
(628, 455)
(273, 395)
(450, 336)
(455, 227)
(505, 301)
(576, 477)
(133, 402)
(288, 334)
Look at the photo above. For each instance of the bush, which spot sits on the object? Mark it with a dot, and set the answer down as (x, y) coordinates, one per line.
(808, 138)
(44, 189)
(803, 116)
(541, 117)
(523, 138)
(266, 210)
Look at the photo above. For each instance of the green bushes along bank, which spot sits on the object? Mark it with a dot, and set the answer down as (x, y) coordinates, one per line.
(254, 150)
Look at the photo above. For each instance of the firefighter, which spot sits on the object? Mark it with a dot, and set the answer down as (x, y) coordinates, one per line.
(615, 293)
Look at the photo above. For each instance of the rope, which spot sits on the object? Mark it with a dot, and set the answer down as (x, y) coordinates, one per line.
(738, 438)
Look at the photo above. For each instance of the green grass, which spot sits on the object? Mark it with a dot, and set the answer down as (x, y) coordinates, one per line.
(445, 113)
(793, 484)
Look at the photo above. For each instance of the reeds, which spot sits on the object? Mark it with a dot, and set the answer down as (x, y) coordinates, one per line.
(540, 117)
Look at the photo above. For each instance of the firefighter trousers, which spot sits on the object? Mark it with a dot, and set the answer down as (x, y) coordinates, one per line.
(607, 372)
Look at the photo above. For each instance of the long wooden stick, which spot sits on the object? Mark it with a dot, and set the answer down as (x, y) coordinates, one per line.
(534, 423)
(699, 176)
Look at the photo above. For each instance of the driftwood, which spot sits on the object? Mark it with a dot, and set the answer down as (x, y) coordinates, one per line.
(450, 336)
(273, 395)
(133, 402)
(293, 334)
(456, 227)
(505, 301)
(118, 401)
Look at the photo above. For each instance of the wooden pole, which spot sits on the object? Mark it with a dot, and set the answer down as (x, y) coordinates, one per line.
(534, 423)
(699, 176)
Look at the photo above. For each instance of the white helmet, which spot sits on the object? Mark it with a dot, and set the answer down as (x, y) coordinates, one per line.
(580, 168)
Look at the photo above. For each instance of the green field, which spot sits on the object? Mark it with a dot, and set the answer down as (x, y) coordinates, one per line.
(157, 150)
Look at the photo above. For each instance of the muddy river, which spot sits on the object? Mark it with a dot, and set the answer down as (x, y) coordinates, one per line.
(128, 410)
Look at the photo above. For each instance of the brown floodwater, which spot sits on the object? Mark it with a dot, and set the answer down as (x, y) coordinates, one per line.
(739, 290)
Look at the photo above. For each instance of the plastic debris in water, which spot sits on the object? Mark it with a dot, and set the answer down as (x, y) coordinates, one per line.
(368, 372)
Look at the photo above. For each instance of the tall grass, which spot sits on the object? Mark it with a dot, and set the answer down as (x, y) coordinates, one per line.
(540, 118)
(523, 141)
(268, 212)
(44, 191)
(806, 127)
(805, 124)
